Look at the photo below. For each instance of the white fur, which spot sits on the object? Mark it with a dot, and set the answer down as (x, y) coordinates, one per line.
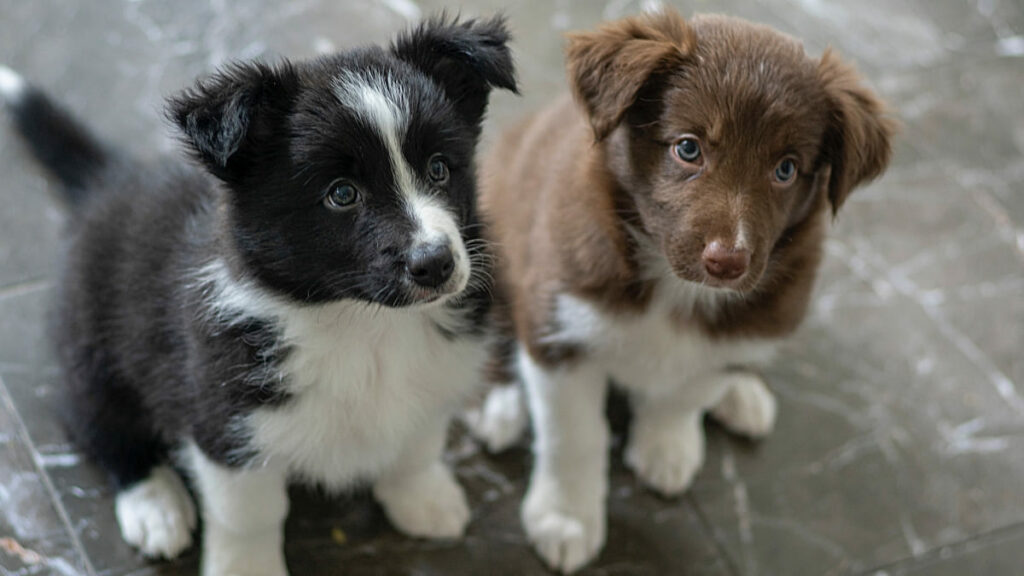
(742, 242)
(365, 380)
(502, 419)
(243, 517)
(384, 105)
(157, 515)
(673, 373)
(563, 511)
(372, 390)
(666, 443)
(748, 407)
(437, 225)
(12, 85)
(420, 495)
(651, 353)
(645, 353)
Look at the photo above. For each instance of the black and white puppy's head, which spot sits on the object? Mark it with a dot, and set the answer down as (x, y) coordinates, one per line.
(352, 176)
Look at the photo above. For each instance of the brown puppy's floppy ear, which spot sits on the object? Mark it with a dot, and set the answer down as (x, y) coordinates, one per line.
(858, 141)
(608, 67)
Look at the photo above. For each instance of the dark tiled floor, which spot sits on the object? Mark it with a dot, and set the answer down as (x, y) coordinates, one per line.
(901, 445)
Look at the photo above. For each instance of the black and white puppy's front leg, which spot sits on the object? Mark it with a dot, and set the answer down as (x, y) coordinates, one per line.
(243, 513)
(419, 493)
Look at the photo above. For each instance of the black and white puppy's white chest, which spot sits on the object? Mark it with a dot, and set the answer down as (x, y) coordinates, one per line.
(352, 383)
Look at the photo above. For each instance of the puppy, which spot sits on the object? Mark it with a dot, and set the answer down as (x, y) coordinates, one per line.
(304, 302)
(662, 231)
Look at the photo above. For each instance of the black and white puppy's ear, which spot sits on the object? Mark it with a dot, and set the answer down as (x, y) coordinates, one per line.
(228, 118)
(466, 59)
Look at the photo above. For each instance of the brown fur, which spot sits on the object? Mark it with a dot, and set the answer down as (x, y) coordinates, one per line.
(561, 189)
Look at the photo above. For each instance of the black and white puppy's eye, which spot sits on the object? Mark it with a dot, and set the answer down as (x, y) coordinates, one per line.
(342, 195)
(687, 149)
(785, 171)
(437, 169)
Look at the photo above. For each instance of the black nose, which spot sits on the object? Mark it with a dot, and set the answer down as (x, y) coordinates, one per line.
(430, 265)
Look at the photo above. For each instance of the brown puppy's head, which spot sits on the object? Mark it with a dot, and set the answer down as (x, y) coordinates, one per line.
(725, 134)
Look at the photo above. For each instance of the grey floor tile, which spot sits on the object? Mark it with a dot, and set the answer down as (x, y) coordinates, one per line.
(34, 539)
(891, 442)
(996, 554)
(31, 222)
(88, 499)
(991, 317)
(37, 396)
(24, 344)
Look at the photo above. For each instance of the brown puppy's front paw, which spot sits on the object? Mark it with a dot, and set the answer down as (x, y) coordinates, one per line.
(566, 533)
(666, 458)
(748, 407)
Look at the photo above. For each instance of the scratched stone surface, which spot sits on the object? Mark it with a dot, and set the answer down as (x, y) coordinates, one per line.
(900, 449)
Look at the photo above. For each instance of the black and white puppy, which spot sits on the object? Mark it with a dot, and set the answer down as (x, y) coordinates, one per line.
(306, 304)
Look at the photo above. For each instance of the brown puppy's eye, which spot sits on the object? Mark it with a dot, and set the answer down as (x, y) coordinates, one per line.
(785, 171)
(687, 150)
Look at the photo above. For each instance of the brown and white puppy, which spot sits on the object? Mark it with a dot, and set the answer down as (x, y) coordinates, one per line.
(662, 231)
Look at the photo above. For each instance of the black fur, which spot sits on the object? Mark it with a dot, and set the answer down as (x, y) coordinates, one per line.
(147, 362)
(466, 59)
(64, 147)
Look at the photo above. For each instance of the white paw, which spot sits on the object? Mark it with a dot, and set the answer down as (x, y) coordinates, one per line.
(566, 535)
(157, 515)
(430, 504)
(666, 459)
(748, 407)
(502, 420)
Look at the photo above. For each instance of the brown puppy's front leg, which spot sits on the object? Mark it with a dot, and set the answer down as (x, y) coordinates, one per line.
(564, 509)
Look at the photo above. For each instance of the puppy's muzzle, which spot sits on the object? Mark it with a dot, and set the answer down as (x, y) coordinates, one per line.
(725, 262)
(430, 265)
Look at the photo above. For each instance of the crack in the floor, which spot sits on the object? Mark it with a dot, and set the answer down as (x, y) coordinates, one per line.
(44, 476)
(863, 260)
(944, 552)
(709, 528)
(24, 287)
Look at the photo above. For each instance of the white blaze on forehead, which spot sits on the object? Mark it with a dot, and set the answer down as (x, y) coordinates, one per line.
(742, 241)
(382, 103)
(436, 224)
(435, 221)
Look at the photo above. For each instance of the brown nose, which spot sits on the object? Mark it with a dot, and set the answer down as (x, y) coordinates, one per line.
(725, 262)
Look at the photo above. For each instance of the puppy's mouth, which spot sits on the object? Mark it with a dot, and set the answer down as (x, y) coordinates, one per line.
(420, 296)
(740, 284)
(438, 280)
